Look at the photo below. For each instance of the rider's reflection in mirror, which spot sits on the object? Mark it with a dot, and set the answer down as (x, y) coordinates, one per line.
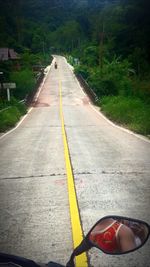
(140, 230)
(113, 236)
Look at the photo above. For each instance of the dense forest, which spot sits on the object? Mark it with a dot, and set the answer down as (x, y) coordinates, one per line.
(66, 25)
(110, 38)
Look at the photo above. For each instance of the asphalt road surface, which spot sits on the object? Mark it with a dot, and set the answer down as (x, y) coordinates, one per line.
(111, 169)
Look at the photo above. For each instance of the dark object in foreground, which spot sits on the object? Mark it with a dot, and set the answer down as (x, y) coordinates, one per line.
(113, 235)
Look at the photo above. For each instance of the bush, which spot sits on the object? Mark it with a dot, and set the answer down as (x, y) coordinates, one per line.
(91, 56)
(20, 106)
(25, 82)
(131, 112)
(82, 70)
(10, 116)
(28, 59)
(3, 103)
(102, 86)
(112, 79)
(142, 89)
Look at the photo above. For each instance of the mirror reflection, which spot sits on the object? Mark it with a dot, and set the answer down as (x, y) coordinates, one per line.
(118, 235)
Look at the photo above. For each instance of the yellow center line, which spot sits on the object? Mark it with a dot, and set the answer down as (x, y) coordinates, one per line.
(77, 233)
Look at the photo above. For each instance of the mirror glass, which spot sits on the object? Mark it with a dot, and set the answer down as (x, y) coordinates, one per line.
(118, 235)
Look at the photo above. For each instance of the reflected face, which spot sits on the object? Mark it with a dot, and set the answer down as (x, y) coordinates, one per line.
(117, 235)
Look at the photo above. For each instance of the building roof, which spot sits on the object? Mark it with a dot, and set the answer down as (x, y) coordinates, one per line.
(7, 53)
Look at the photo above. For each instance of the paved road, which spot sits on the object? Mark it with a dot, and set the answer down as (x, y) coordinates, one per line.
(111, 169)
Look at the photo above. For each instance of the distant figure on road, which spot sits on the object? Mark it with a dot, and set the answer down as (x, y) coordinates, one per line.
(55, 65)
(113, 236)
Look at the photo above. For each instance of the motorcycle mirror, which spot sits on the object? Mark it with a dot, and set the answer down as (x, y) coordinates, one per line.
(117, 235)
(114, 235)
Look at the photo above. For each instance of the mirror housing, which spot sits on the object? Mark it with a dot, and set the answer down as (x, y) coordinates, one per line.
(116, 235)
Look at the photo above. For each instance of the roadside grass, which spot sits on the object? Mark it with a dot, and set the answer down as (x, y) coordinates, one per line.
(9, 117)
(130, 112)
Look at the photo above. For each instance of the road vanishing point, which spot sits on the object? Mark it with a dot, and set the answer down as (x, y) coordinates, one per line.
(110, 168)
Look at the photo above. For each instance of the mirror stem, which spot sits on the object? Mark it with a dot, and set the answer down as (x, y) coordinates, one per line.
(70, 263)
(84, 246)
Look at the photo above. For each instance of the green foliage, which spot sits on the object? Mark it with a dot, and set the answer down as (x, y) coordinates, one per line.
(3, 104)
(67, 37)
(112, 79)
(13, 102)
(139, 60)
(20, 106)
(10, 116)
(82, 70)
(40, 25)
(91, 56)
(25, 82)
(130, 112)
(28, 59)
(141, 88)
(6, 68)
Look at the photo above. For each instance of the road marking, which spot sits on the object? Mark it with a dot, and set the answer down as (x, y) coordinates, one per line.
(77, 233)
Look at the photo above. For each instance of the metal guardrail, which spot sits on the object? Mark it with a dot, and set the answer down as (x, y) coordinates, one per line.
(22, 101)
(94, 98)
(31, 96)
(28, 100)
